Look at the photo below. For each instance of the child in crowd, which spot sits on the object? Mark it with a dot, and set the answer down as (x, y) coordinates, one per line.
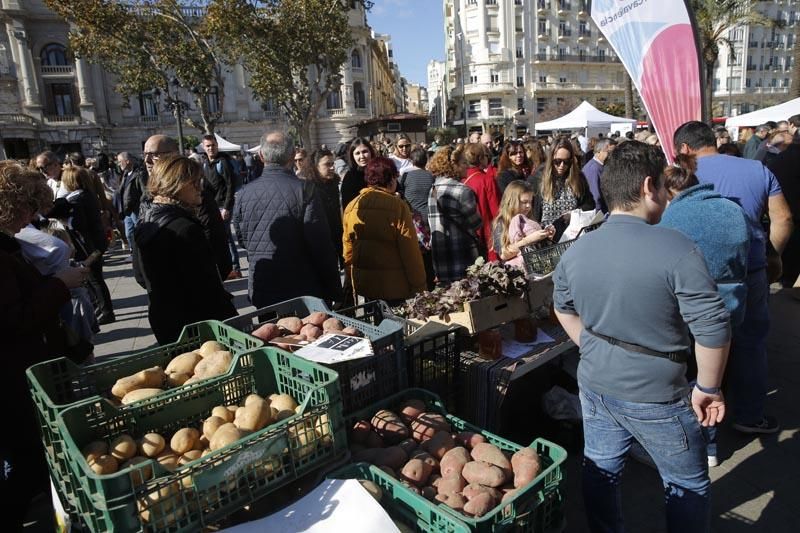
(512, 228)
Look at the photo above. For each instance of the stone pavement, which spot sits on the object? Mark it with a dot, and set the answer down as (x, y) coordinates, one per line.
(755, 488)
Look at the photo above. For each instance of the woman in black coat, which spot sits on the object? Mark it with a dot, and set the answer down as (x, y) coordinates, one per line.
(173, 254)
(359, 154)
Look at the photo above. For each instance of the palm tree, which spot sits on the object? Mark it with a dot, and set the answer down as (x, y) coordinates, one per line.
(714, 19)
(628, 96)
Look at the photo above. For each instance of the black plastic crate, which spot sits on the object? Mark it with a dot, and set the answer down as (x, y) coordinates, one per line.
(543, 261)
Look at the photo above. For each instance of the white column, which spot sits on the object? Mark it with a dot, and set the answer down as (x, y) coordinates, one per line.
(82, 73)
(29, 85)
(348, 101)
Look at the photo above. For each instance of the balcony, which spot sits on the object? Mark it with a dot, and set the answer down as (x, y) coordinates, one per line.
(490, 87)
(149, 119)
(336, 112)
(574, 58)
(17, 118)
(584, 35)
(543, 6)
(55, 71)
(564, 33)
(61, 119)
(564, 7)
(560, 87)
(271, 115)
(544, 34)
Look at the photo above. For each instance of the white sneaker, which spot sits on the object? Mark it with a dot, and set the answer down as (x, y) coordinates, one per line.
(713, 461)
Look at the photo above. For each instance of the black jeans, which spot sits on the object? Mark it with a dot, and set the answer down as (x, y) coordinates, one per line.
(98, 290)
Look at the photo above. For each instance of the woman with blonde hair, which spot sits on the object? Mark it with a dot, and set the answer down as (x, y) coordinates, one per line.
(512, 227)
(173, 254)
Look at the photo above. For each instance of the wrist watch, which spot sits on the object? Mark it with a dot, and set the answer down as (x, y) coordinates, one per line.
(707, 390)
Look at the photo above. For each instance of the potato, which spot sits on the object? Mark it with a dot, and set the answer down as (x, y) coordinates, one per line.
(429, 493)
(372, 488)
(267, 332)
(292, 324)
(489, 453)
(453, 483)
(303, 439)
(210, 347)
(184, 363)
(389, 426)
(526, 465)
(176, 379)
(224, 413)
(411, 409)
(277, 416)
(508, 495)
(183, 440)
(454, 460)
(211, 425)
(425, 457)
(140, 394)
(138, 475)
(394, 457)
(251, 398)
(483, 473)
(152, 444)
(453, 500)
(332, 325)
(350, 330)
(168, 459)
(145, 379)
(201, 444)
(214, 364)
(225, 435)
(94, 449)
(408, 445)
(188, 457)
(426, 425)
(317, 318)
(434, 480)
(469, 439)
(255, 416)
(473, 489)
(480, 505)
(104, 464)
(311, 332)
(238, 413)
(416, 471)
(282, 402)
(122, 447)
(441, 443)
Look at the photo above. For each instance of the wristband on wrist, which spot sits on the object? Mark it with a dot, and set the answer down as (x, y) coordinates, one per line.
(707, 390)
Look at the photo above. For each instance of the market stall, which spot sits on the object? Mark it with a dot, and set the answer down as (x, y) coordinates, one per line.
(585, 118)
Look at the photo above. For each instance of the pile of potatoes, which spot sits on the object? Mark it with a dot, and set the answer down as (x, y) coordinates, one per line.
(210, 360)
(309, 328)
(460, 470)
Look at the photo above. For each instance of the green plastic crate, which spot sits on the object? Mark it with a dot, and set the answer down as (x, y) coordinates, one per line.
(363, 381)
(536, 508)
(401, 503)
(207, 490)
(59, 383)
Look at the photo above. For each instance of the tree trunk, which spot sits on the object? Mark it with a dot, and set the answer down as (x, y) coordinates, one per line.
(795, 90)
(629, 97)
(708, 92)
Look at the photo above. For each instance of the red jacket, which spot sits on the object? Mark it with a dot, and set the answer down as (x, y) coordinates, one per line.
(485, 188)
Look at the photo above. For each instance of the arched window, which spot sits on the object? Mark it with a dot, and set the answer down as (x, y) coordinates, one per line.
(54, 54)
(334, 100)
(358, 95)
(355, 59)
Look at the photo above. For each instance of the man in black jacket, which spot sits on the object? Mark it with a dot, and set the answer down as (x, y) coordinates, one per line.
(786, 167)
(284, 228)
(221, 180)
(132, 185)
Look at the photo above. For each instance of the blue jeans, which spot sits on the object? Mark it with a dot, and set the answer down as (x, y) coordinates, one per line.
(232, 247)
(747, 364)
(130, 222)
(670, 433)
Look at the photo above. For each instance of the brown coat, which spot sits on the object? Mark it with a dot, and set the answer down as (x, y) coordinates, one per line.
(381, 250)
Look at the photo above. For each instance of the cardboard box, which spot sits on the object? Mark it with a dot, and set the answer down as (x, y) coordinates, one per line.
(540, 291)
(486, 313)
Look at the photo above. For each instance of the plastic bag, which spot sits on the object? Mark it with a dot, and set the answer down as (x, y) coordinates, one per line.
(559, 404)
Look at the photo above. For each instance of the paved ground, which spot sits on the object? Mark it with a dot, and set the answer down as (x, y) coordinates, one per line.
(756, 488)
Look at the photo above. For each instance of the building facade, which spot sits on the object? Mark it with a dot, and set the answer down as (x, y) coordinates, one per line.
(437, 93)
(50, 100)
(757, 73)
(510, 63)
(416, 99)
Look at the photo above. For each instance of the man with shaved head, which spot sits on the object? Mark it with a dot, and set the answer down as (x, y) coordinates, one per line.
(283, 225)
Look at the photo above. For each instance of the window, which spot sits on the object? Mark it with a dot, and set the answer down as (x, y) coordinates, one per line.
(473, 79)
(520, 104)
(785, 82)
(563, 29)
(494, 77)
(581, 54)
(562, 54)
(542, 78)
(54, 54)
(495, 107)
(541, 104)
(562, 79)
(747, 83)
(474, 108)
(518, 23)
(334, 100)
(355, 59)
(61, 100)
(148, 106)
(542, 25)
(601, 55)
(564, 5)
(519, 51)
(212, 100)
(773, 82)
(733, 84)
(359, 96)
(492, 23)
(520, 81)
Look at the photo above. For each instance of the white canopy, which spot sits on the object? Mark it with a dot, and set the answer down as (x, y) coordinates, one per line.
(582, 117)
(775, 113)
(224, 145)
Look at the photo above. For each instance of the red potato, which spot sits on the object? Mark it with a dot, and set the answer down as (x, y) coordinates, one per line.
(408, 445)
(360, 432)
(453, 500)
(267, 332)
(480, 504)
(349, 330)
(483, 473)
(426, 425)
(317, 318)
(439, 444)
(311, 331)
(426, 457)
(416, 471)
(332, 325)
(454, 460)
(468, 439)
(489, 453)
(473, 489)
(450, 484)
(526, 465)
(373, 440)
(508, 495)
(291, 324)
(411, 409)
(434, 480)
(394, 457)
(389, 426)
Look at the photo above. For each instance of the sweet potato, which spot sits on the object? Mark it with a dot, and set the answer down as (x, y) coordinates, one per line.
(214, 364)
(426, 457)
(209, 347)
(434, 480)
(480, 505)
(427, 425)
(360, 432)
(317, 318)
(489, 453)
(439, 444)
(526, 465)
(454, 500)
(454, 460)
(468, 439)
(408, 445)
(483, 473)
(452, 483)
(394, 457)
(416, 471)
(508, 495)
(291, 324)
(184, 363)
(389, 426)
(332, 325)
(311, 331)
(411, 409)
(267, 332)
(473, 489)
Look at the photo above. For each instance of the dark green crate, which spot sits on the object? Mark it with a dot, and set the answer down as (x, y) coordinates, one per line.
(363, 381)
(60, 383)
(207, 490)
(535, 508)
(401, 503)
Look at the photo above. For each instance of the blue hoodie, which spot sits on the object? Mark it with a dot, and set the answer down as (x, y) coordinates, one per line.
(719, 228)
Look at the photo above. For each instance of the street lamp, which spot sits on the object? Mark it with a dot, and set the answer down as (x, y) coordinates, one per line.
(460, 37)
(176, 107)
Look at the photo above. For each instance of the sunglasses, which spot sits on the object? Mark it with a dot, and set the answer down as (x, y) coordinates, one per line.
(403, 145)
(558, 162)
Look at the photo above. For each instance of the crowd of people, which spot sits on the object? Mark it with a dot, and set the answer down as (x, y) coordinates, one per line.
(390, 218)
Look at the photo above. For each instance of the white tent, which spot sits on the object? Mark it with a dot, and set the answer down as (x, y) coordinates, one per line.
(224, 145)
(583, 117)
(775, 113)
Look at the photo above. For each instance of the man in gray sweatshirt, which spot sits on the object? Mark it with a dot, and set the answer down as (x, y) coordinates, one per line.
(625, 294)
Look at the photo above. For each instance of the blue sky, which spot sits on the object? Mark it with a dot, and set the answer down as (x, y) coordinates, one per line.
(417, 30)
